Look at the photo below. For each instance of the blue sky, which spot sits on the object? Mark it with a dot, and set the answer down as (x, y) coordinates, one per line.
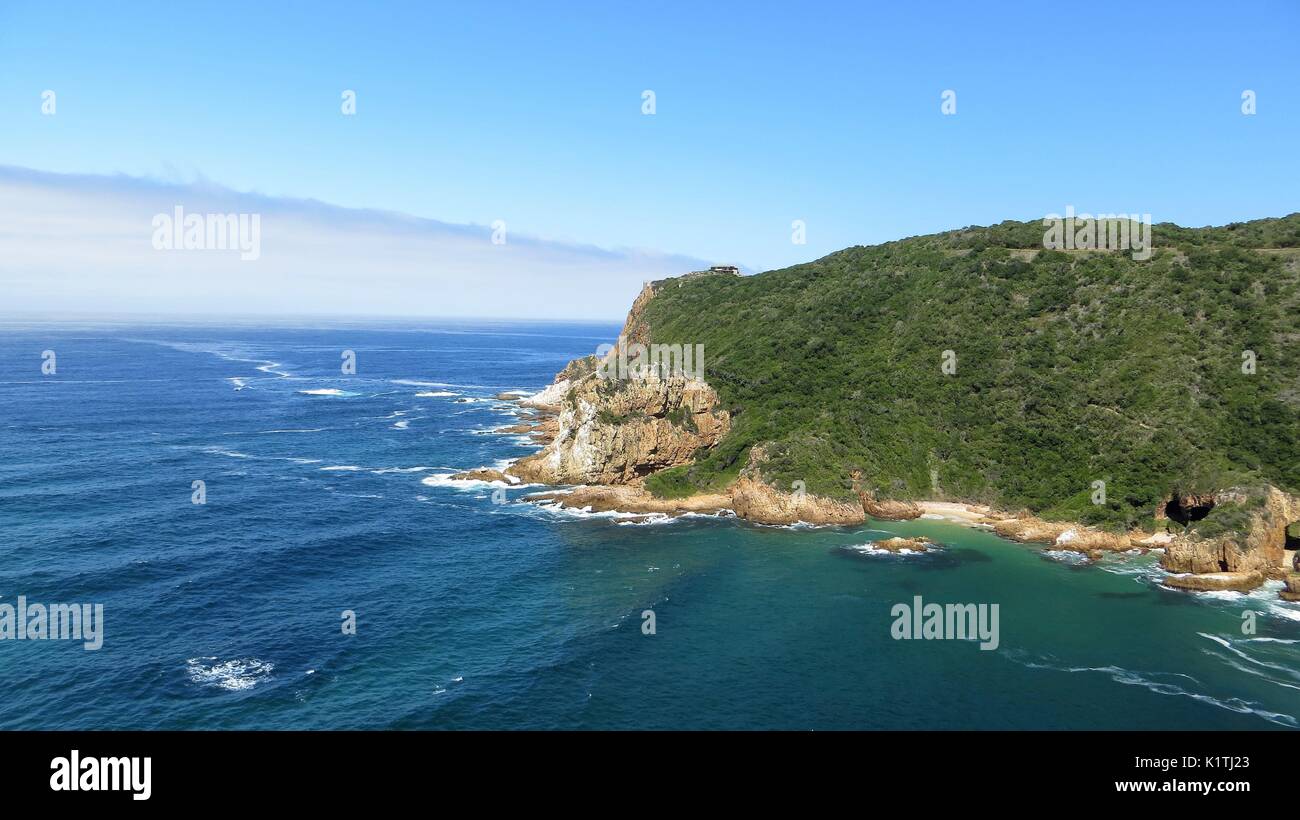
(766, 113)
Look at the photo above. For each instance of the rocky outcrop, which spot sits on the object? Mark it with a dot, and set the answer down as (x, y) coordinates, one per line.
(551, 397)
(887, 509)
(631, 499)
(900, 544)
(1159, 540)
(1061, 535)
(484, 474)
(610, 432)
(608, 428)
(882, 508)
(1183, 507)
(635, 329)
(755, 500)
(614, 428)
(1215, 581)
(1292, 591)
(1255, 542)
(521, 427)
(619, 431)
(546, 430)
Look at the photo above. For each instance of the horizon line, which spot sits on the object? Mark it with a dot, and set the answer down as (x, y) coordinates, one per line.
(68, 317)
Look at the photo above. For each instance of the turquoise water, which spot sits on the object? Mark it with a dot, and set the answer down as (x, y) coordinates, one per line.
(472, 614)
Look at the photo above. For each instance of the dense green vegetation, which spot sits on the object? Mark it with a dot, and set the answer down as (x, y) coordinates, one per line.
(1227, 518)
(1071, 368)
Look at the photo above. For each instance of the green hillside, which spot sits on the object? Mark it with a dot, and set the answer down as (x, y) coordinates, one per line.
(1071, 367)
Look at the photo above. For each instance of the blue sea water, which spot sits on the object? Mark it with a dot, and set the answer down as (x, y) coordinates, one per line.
(473, 614)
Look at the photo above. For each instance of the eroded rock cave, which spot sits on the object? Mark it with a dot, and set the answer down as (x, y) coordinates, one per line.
(1186, 509)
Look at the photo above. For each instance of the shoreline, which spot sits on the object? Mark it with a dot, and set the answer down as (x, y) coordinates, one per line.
(598, 448)
(956, 512)
(634, 500)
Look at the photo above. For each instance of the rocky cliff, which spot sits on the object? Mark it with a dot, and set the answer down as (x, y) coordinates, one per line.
(613, 427)
(1250, 538)
(550, 398)
(617, 431)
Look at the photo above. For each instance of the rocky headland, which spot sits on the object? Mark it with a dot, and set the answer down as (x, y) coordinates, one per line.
(604, 436)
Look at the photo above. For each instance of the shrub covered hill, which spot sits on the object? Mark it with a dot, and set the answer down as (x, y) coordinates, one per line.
(1071, 367)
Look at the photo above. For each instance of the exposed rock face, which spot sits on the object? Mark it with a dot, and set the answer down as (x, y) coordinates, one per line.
(758, 501)
(1292, 591)
(522, 427)
(898, 544)
(632, 499)
(1215, 581)
(1184, 507)
(1259, 547)
(1028, 529)
(551, 397)
(636, 330)
(540, 428)
(1085, 539)
(619, 431)
(483, 474)
(886, 509)
(1159, 539)
(755, 499)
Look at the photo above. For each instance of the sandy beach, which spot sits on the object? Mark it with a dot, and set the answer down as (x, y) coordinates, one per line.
(968, 514)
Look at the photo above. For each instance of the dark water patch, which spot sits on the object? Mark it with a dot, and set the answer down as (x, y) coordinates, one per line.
(953, 557)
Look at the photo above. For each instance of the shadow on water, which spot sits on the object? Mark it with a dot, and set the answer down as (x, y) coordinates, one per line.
(948, 558)
(1173, 597)
(910, 585)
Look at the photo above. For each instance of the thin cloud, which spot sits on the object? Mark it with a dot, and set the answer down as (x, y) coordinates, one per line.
(80, 243)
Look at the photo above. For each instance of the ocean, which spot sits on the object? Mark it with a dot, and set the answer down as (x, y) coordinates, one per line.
(326, 494)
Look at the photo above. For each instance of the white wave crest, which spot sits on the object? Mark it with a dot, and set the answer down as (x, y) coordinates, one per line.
(327, 391)
(232, 675)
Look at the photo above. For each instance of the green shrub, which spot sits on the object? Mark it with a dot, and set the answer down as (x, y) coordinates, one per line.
(1071, 368)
